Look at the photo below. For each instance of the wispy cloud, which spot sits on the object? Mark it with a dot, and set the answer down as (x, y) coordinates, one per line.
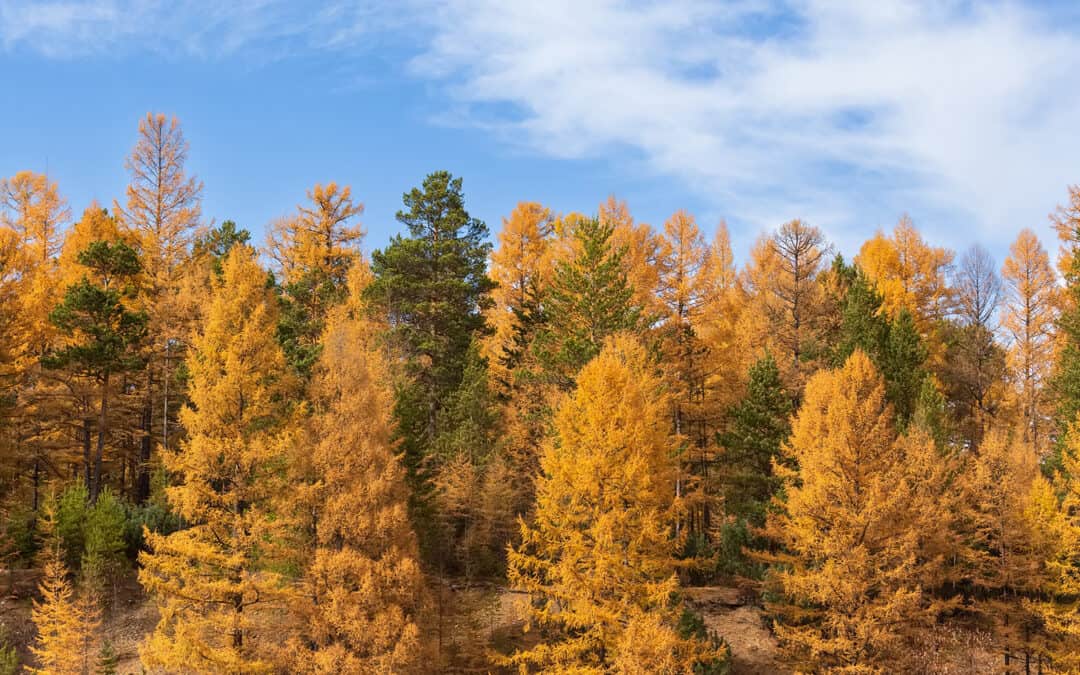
(845, 113)
(268, 29)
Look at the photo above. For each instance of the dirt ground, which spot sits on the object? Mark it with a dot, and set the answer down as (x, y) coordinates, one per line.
(477, 621)
(728, 612)
(125, 623)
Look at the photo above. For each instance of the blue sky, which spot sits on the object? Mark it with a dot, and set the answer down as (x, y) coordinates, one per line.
(965, 115)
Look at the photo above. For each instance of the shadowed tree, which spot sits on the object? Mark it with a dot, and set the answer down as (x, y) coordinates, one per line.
(105, 337)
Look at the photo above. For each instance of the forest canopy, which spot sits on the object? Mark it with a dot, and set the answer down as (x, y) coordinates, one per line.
(296, 444)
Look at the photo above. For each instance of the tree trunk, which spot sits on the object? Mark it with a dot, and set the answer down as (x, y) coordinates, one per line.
(142, 481)
(87, 459)
(95, 485)
(37, 482)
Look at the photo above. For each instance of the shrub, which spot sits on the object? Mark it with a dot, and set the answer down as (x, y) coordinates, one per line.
(71, 522)
(103, 537)
(17, 540)
(692, 626)
(9, 660)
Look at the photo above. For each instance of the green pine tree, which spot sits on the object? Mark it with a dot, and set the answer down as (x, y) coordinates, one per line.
(468, 418)
(931, 414)
(590, 299)
(432, 287)
(217, 243)
(903, 367)
(862, 325)
(108, 660)
(895, 347)
(304, 307)
(757, 427)
(1066, 381)
(105, 336)
(104, 545)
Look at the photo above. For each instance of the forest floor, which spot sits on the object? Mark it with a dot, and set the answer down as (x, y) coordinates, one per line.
(478, 620)
(128, 619)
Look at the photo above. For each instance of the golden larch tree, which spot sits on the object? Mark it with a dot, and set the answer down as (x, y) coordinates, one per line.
(1058, 520)
(1001, 558)
(163, 203)
(364, 589)
(31, 205)
(162, 212)
(642, 247)
(322, 236)
(599, 558)
(909, 274)
(313, 252)
(521, 266)
(719, 321)
(685, 290)
(32, 216)
(852, 526)
(787, 300)
(1031, 297)
(67, 624)
(214, 581)
(1066, 222)
(96, 224)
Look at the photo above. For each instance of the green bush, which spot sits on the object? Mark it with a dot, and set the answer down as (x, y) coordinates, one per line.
(104, 545)
(154, 517)
(19, 536)
(691, 625)
(732, 561)
(71, 512)
(9, 660)
(108, 661)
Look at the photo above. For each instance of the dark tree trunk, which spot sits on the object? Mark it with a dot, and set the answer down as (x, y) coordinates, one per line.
(142, 481)
(103, 424)
(87, 434)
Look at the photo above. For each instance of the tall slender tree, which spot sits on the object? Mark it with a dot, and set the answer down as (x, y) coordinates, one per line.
(856, 511)
(599, 558)
(1028, 317)
(1066, 375)
(363, 587)
(521, 266)
(787, 298)
(685, 288)
(973, 371)
(432, 289)
(214, 579)
(751, 445)
(32, 214)
(105, 335)
(162, 209)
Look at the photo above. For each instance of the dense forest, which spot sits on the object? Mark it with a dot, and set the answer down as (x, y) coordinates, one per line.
(294, 443)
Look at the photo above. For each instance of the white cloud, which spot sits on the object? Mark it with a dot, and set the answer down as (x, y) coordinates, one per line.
(846, 113)
(842, 112)
(267, 29)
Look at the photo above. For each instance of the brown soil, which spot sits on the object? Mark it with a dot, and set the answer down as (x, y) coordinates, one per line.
(125, 623)
(727, 612)
(477, 621)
